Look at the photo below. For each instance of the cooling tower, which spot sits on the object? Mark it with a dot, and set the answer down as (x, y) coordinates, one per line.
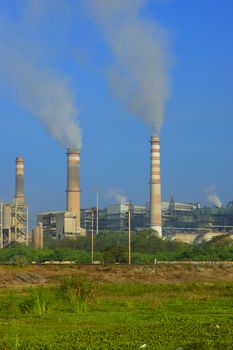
(19, 183)
(73, 183)
(155, 187)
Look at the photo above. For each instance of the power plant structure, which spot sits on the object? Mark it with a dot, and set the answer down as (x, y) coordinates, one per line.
(177, 220)
(19, 181)
(38, 236)
(115, 218)
(73, 184)
(14, 216)
(155, 186)
(66, 223)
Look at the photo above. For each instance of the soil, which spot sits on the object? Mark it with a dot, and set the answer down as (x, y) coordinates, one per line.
(12, 276)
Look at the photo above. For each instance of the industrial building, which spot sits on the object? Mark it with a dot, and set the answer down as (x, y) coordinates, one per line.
(89, 219)
(219, 219)
(188, 216)
(115, 217)
(188, 222)
(14, 216)
(178, 214)
(60, 224)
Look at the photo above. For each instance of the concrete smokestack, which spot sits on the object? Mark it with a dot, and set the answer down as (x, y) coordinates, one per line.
(73, 183)
(19, 181)
(155, 187)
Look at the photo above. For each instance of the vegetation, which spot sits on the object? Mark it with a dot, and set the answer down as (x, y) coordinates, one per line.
(118, 316)
(112, 247)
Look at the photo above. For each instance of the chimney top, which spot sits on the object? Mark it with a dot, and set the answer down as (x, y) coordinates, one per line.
(72, 151)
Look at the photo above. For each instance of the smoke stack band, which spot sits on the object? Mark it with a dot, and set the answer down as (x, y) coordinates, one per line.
(73, 183)
(19, 181)
(155, 187)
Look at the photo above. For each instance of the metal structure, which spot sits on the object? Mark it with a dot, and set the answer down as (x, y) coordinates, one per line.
(13, 224)
(14, 217)
(73, 184)
(155, 187)
(19, 228)
(19, 210)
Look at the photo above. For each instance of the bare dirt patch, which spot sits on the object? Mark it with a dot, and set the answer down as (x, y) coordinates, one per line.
(11, 276)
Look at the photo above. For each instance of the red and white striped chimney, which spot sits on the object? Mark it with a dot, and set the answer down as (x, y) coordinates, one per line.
(155, 187)
(19, 182)
(73, 183)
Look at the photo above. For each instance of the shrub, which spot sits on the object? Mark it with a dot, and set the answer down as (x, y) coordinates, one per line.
(38, 302)
(79, 292)
(19, 260)
(10, 304)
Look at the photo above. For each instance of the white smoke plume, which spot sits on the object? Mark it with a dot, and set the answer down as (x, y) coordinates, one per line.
(213, 198)
(117, 196)
(46, 94)
(139, 75)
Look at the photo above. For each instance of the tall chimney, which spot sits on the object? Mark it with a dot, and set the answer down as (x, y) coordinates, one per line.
(155, 187)
(19, 182)
(73, 182)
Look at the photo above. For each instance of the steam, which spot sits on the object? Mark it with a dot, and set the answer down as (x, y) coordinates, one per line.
(46, 94)
(117, 196)
(213, 198)
(139, 75)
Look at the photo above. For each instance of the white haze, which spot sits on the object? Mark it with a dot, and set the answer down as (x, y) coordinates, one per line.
(43, 92)
(213, 198)
(139, 74)
(117, 196)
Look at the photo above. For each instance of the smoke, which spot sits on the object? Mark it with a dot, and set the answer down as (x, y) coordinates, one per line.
(139, 75)
(117, 196)
(213, 198)
(43, 92)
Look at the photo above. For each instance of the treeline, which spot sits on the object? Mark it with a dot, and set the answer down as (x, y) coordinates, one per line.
(112, 247)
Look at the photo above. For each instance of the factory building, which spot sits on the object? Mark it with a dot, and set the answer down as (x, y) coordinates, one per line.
(115, 218)
(188, 222)
(60, 224)
(214, 218)
(89, 219)
(178, 214)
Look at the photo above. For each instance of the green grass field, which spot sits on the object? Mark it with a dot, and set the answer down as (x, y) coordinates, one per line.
(83, 315)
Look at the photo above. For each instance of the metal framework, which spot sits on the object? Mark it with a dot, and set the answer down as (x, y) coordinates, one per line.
(19, 227)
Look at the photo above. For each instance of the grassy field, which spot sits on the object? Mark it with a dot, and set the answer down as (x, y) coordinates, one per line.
(79, 314)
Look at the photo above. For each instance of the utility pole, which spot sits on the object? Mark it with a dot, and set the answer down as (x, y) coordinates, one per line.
(129, 230)
(92, 235)
(97, 211)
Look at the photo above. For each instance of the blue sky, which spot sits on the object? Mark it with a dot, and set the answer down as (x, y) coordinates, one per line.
(196, 136)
